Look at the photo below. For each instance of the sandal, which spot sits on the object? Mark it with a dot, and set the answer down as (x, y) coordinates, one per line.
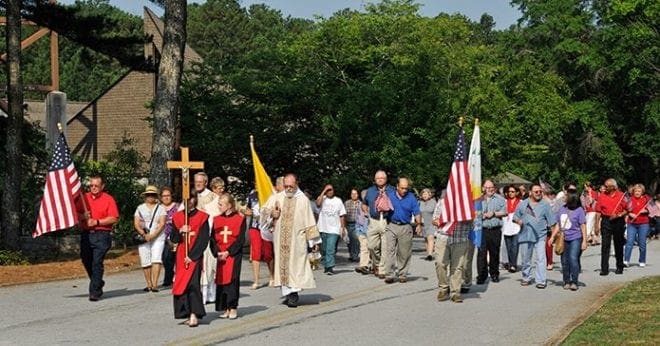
(540, 286)
(225, 315)
(254, 286)
(524, 283)
(271, 283)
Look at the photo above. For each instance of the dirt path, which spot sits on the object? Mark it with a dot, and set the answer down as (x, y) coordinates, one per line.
(69, 269)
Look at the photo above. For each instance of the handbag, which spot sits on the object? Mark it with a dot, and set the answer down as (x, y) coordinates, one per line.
(139, 238)
(559, 239)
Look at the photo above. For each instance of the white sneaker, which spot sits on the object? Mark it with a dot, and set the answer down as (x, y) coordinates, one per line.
(642, 265)
(625, 264)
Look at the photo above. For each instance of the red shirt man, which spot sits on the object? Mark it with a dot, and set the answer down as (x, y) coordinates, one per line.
(98, 212)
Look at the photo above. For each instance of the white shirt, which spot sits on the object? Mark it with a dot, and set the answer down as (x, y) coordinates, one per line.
(329, 215)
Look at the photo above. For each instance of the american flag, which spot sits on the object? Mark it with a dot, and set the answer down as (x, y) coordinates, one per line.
(458, 202)
(58, 210)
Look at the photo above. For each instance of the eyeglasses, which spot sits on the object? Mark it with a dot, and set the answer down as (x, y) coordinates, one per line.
(537, 191)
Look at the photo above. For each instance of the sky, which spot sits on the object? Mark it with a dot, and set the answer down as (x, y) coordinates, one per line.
(501, 10)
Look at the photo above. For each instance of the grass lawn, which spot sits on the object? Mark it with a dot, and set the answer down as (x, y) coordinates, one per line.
(631, 316)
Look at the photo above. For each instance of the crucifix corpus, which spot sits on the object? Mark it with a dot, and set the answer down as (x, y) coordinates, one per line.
(185, 165)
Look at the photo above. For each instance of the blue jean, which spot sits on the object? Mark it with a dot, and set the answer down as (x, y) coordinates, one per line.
(511, 242)
(329, 249)
(353, 242)
(570, 260)
(636, 232)
(93, 247)
(526, 252)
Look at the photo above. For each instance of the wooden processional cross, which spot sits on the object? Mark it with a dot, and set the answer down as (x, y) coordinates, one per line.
(185, 166)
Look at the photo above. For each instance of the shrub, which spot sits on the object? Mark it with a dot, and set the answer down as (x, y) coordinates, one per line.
(8, 257)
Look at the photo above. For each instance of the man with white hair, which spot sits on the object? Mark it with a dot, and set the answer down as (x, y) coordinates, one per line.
(294, 231)
(611, 209)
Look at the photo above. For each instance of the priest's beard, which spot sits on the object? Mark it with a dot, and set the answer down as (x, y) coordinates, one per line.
(289, 194)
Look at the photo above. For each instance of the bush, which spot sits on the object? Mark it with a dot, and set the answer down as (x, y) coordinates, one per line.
(121, 170)
(8, 258)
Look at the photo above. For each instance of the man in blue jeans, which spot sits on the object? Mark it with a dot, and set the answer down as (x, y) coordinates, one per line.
(98, 212)
(535, 218)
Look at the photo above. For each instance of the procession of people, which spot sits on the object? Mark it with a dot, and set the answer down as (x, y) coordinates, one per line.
(207, 231)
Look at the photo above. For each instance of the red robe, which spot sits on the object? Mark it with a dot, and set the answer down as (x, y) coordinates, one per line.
(232, 241)
(199, 240)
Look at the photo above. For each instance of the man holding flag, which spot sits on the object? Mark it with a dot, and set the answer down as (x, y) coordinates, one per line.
(62, 207)
(98, 212)
(455, 213)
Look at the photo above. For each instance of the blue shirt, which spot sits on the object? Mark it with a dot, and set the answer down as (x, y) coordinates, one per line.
(404, 207)
(497, 204)
(537, 220)
(370, 200)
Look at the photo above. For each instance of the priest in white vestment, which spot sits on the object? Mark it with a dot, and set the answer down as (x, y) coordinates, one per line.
(207, 201)
(294, 231)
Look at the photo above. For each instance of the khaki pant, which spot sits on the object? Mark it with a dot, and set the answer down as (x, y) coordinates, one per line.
(376, 242)
(399, 249)
(454, 257)
(364, 250)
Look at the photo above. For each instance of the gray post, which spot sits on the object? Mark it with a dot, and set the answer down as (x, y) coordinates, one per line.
(55, 113)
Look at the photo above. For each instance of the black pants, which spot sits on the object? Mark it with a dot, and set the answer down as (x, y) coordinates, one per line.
(490, 248)
(168, 265)
(93, 247)
(612, 229)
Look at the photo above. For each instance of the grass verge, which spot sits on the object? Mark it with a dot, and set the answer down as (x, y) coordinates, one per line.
(631, 316)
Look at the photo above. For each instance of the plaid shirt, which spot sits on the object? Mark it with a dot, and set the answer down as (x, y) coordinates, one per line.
(351, 210)
(460, 234)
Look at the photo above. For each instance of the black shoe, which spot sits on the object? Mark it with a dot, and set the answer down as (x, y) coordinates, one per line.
(154, 290)
(481, 281)
(429, 258)
(292, 302)
(506, 266)
(619, 271)
(330, 272)
(495, 279)
(603, 273)
(465, 289)
(389, 280)
(94, 298)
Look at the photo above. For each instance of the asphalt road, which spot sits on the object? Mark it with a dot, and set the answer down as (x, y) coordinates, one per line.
(346, 308)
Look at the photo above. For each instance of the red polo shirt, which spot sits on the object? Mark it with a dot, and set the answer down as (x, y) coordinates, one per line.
(606, 204)
(637, 205)
(99, 207)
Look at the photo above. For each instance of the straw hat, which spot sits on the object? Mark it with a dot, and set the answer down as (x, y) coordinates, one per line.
(150, 190)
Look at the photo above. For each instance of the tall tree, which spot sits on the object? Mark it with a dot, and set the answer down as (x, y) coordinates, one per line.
(166, 104)
(11, 198)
